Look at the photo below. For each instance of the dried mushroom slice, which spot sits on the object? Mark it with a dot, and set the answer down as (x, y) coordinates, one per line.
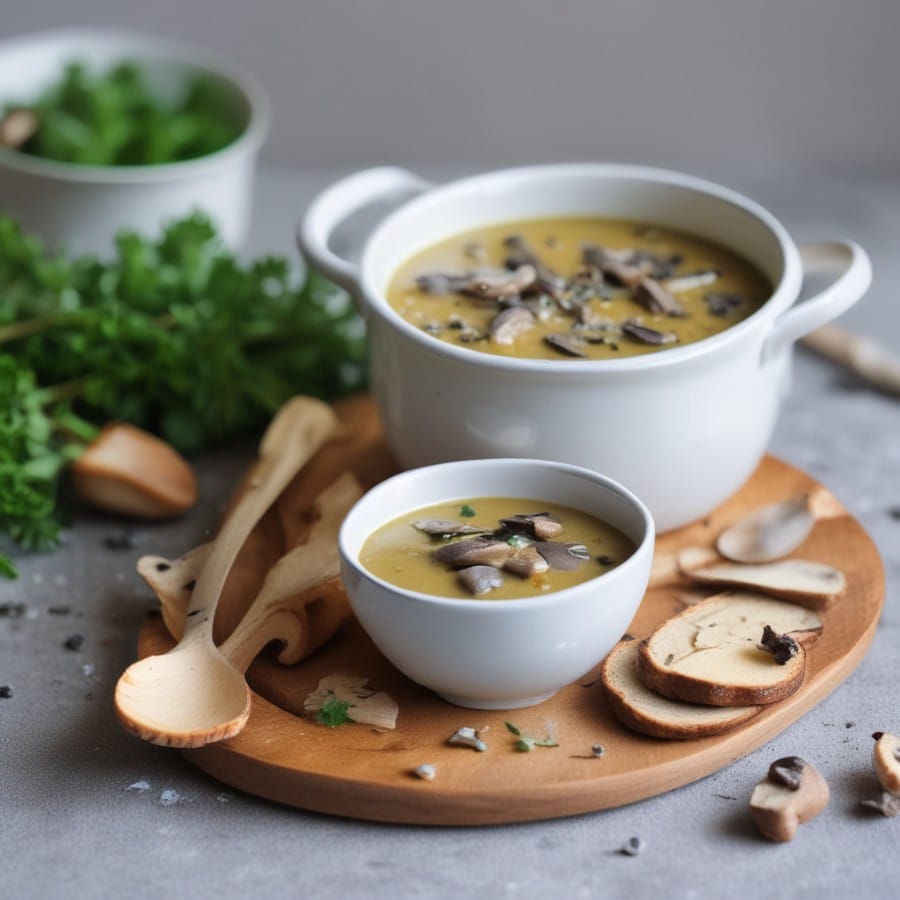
(811, 583)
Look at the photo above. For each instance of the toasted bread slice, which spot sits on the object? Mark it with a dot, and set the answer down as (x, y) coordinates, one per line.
(808, 583)
(640, 709)
(709, 652)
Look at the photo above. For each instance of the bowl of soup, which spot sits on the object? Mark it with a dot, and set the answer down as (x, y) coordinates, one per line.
(496, 582)
(631, 320)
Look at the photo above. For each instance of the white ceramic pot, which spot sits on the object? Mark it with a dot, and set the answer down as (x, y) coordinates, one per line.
(497, 654)
(82, 207)
(683, 428)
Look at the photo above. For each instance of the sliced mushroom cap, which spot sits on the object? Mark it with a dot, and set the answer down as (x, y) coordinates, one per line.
(566, 344)
(441, 283)
(510, 323)
(648, 335)
(526, 562)
(439, 527)
(654, 297)
(613, 265)
(473, 552)
(480, 579)
(500, 283)
(565, 557)
(541, 525)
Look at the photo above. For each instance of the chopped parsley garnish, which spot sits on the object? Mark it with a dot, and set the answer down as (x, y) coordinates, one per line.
(467, 511)
(334, 712)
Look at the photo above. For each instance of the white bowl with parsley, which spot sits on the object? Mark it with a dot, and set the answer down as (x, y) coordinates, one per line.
(132, 131)
(508, 653)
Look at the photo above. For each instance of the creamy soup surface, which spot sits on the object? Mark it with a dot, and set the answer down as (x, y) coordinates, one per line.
(575, 288)
(408, 551)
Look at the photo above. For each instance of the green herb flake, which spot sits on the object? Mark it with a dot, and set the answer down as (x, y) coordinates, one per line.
(333, 713)
(518, 541)
(526, 743)
(467, 511)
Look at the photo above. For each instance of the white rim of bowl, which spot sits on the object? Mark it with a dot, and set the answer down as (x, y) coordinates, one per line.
(498, 607)
(783, 295)
(150, 46)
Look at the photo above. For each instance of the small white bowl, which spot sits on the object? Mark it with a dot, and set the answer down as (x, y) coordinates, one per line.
(500, 654)
(83, 207)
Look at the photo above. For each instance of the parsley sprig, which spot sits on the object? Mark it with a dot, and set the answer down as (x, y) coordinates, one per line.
(111, 117)
(175, 335)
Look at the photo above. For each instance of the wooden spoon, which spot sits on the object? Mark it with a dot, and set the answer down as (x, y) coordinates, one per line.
(773, 531)
(173, 698)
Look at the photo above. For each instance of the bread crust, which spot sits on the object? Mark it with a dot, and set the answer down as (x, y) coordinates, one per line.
(628, 710)
(719, 691)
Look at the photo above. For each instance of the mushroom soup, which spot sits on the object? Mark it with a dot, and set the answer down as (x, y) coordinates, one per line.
(493, 548)
(575, 288)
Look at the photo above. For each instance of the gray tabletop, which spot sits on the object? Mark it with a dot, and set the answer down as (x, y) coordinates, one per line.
(88, 811)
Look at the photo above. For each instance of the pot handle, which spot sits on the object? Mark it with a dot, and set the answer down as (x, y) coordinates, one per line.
(339, 201)
(845, 259)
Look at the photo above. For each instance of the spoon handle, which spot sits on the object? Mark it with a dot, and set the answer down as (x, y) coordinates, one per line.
(299, 428)
(305, 574)
(864, 357)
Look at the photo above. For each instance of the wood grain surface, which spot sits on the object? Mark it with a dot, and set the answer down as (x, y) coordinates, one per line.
(356, 771)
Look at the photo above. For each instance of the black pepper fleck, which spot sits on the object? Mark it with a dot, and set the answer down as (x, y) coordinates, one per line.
(59, 610)
(12, 610)
(74, 642)
(123, 540)
(5, 692)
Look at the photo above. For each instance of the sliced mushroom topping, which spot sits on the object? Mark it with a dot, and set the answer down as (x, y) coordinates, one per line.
(694, 280)
(510, 323)
(480, 579)
(526, 562)
(482, 283)
(723, 305)
(566, 344)
(540, 525)
(446, 527)
(481, 551)
(613, 266)
(648, 335)
(656, 299)
(565, 557)
(499, 283)
(519, 255)
(441, 283)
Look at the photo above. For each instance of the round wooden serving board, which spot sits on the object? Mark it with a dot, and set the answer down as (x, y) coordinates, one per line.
(354, 770)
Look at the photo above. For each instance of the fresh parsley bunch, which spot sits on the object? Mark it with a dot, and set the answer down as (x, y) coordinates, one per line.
(174, 335)
(112, 118)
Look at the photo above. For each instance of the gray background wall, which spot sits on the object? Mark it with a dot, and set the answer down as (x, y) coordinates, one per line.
(693, 83)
